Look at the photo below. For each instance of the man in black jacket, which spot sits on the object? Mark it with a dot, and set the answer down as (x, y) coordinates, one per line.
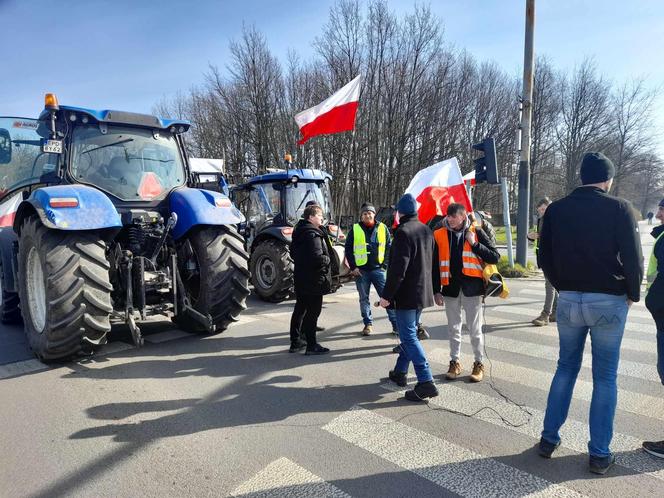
(310, 250)
(655, 304)
(407, 290)
(590, 250)
(456, 272)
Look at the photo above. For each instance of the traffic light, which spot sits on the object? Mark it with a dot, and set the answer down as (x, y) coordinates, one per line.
(486, 167)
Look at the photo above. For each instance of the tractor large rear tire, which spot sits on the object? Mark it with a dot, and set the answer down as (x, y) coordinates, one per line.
(221, 286)
(64, 290)
(272, 271)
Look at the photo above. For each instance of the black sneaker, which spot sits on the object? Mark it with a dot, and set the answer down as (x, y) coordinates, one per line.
(422, 333)
(546, 449)
(317, 349)
(655, 448)
(422, 391)
(400, 379)
(599, 465)
(396, 349)
(297, 346)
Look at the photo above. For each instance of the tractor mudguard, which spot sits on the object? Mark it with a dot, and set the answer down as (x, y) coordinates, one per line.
(70, 207)
(201, 207)
(7, 239)
(273, 233)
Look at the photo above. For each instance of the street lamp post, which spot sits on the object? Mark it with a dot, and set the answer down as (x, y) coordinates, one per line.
(523, 212)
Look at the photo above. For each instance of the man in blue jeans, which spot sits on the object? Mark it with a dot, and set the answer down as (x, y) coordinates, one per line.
(590, 251)
(366, 246)
(408, 289)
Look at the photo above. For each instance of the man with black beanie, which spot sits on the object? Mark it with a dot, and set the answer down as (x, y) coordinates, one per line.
(407, 290)
(590, 250)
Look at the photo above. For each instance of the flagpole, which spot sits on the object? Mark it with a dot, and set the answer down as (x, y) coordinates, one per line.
(350, 156)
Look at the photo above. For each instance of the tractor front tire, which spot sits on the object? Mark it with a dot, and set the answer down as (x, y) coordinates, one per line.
(64, 290)
(221, 286)
(272, 271)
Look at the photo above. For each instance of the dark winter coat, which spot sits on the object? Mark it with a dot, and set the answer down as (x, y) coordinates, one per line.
(590, 242)
(408, 284)
(471, 286)
(311, 255)
(655, 296)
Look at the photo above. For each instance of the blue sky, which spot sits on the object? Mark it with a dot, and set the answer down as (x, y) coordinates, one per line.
(130, 54)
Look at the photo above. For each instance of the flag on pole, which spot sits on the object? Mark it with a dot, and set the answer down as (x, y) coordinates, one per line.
(469, 178)
(334, 115)
(436, 187)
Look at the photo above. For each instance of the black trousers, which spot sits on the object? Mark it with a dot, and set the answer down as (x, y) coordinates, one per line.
(305, 318)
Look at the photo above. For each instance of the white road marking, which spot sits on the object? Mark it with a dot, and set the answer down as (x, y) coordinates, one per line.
(284, 478)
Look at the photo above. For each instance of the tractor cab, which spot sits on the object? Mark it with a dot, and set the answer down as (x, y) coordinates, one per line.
(277, 200)
(273, 203)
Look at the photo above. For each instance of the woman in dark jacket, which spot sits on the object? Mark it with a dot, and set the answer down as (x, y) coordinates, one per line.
(310, 251)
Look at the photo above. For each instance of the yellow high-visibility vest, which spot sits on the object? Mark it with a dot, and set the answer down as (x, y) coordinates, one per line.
(652, 265)
(361, 248)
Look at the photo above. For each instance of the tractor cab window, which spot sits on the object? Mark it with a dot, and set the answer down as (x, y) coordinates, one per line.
(298, 196)
(22, 161)
(133, 164)
(265, 203)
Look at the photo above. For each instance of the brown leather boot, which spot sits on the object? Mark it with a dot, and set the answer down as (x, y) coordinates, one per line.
(454, 370)
(478, 372)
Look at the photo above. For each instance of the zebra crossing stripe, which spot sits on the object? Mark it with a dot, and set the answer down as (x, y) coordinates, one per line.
(625, 367)
(284, 478)
(442, 462)
(525, 311)
(574, 433)
(627, 344)
(275, 315)
(639, 313)
(639, 404)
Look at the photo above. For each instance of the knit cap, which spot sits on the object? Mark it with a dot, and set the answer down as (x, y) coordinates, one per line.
(596, 168)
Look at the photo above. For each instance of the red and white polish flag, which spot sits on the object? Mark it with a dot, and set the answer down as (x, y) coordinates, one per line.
(334, 115)
(8, 209)
(436, 187)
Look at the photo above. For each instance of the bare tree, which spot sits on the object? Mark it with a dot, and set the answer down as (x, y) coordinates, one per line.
(586, 118)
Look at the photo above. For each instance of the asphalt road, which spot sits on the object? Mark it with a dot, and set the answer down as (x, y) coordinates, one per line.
(236, 414)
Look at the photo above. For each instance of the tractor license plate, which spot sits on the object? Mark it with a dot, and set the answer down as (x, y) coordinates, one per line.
(52, 146)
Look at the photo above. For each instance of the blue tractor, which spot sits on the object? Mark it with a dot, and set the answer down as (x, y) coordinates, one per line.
(273, 203)
(100, 222)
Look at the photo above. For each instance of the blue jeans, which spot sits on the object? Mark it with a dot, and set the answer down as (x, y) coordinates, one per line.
(411, 349)
(363, 283)
(604, 316)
